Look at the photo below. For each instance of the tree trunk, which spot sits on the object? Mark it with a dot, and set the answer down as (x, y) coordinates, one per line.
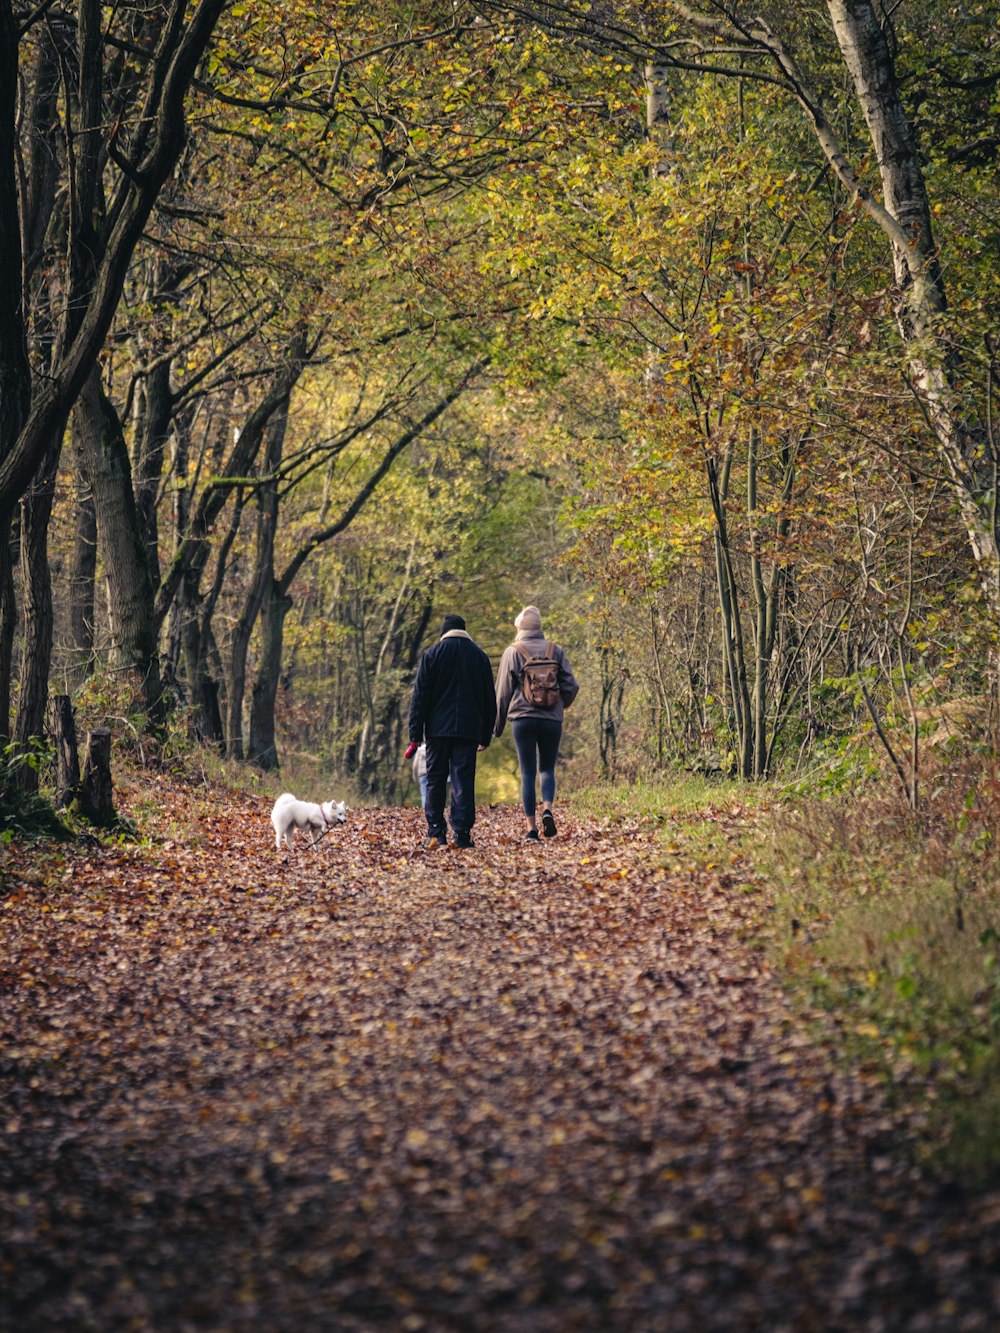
(96, 789)
(777, 603)
(67, 756)
(263, 578)
(263, 750)
(15, 371)
(203, 688)
(130, 589)
(610, 719)
(83, 571)
(734, 662)
(906, 220)
(36, 641)
(658, 116)
(8, 625)
(382, 710)
(762, 647)
(157, 418)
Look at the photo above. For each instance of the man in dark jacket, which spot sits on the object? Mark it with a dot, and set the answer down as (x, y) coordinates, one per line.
(453, 709)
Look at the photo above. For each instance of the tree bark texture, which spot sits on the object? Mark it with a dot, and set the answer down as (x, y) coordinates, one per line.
(43, 144)
(36, 633)
(123, 547)
(866, 54)
(263, 578)
(96, 789)
(658, 116)
(15, 371)
(380, 732)
(8, 628)
(157, 419)
(63, 727)
(203, 688)
(263, 749)
(922, 301)
(611, 710)
(83, 573)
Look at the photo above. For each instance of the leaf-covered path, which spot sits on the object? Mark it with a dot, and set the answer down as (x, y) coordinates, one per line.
(522, 1088)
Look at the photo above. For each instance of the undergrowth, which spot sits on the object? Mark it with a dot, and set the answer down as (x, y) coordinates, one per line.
(887, 921)
(891, 921)
(25, 812)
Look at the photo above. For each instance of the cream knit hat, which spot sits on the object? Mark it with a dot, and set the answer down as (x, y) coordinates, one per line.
(529, 620)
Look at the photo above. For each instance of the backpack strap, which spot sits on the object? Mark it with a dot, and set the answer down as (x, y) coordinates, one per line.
(549, 650)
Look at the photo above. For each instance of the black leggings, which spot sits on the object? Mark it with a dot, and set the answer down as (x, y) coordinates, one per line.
(537, 741)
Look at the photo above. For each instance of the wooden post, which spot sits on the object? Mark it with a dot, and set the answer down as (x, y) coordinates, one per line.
(67, 756)
(96, 792)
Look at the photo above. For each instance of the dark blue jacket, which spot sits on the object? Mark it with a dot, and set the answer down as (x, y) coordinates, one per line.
(453, 694)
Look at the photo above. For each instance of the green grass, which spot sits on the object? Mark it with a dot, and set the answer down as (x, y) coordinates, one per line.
(658, 802)
(699, 818)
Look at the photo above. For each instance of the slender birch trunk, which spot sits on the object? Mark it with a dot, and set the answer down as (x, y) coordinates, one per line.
(906, 220)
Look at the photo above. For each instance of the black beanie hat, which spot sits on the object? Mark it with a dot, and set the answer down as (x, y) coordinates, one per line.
(452, 622)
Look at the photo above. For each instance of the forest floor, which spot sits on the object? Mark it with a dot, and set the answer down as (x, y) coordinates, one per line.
(532, 1088)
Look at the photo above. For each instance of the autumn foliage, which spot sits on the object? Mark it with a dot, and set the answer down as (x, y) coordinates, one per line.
(515, 1088)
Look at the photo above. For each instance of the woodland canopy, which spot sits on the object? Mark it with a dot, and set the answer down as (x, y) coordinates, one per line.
(678, 321)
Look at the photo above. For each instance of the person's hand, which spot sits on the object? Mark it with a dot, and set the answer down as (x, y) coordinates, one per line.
(481, 748)
(411, 750)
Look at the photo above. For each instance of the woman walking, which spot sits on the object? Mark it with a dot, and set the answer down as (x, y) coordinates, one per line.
(535, 685)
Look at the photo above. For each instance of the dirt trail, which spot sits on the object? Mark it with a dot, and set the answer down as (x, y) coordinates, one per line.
(518, 1088)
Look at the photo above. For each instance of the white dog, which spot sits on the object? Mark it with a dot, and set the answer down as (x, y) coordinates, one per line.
(289, 814)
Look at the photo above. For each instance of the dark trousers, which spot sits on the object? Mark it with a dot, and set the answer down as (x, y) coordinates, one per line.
(450, 756)
(537, 741)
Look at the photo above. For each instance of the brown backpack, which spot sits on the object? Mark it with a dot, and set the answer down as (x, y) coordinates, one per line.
(539, 678)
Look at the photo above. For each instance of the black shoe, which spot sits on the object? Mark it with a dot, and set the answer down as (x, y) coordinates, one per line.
(462, 843)
(531, 835)
(548, 824)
